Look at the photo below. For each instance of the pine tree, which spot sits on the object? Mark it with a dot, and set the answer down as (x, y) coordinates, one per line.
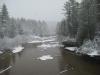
(69, 25)
(3, 21)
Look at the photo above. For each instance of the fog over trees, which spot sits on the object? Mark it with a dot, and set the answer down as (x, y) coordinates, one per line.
(18, 29)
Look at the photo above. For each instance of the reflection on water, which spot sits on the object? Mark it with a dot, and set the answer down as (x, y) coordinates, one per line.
(78, 65)
(6, 61)
(63, 63)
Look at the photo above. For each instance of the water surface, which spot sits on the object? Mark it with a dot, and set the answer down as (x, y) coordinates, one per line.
(58, 62)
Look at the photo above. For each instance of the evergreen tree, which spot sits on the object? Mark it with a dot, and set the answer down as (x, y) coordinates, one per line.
(3, 21)
(87, 20)
(69, 25)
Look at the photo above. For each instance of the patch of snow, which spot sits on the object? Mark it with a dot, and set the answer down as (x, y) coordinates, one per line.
(35, 41)
(90, 48)
(37, 37)
(94, 53)
(18, 49)
(48, 40)
(2, 71)
(42, 39)
(48, 45)
(45, 57)
(71, 48)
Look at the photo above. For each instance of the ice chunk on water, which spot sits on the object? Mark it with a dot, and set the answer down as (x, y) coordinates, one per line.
(45, 57)
(18, 49)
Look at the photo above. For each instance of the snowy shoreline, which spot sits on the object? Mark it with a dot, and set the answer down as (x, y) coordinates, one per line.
(94, 53)
(17, 49)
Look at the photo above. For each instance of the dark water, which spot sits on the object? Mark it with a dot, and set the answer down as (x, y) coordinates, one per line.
(64, 63)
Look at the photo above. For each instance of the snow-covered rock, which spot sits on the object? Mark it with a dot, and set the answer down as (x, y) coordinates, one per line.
(71, 48)
(18, 49)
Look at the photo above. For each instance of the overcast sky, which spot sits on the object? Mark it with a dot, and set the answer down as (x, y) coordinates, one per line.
(49, 10)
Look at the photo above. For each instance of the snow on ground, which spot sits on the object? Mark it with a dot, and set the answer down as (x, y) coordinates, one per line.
(94, 53)
(48, 45)
(2, 71)
(48, 40)
(38, 39)
(45, 57)
(71, 48)
(18, 49)
(90, 48)
(35, 41)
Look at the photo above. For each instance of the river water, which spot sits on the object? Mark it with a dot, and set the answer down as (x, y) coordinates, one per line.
(51, 60)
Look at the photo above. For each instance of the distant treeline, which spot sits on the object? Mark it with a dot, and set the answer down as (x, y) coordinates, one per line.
(81, 20)
(11, 27)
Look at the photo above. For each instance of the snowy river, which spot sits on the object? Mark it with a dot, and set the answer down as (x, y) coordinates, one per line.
(46, 58)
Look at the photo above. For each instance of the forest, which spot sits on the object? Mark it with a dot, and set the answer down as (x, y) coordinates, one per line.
(81, 24)
(16, 31)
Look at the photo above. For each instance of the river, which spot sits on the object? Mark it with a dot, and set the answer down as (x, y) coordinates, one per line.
(51, 60)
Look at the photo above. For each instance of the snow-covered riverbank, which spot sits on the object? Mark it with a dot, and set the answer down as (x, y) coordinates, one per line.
(38, 39)
(17, 49)
(90, 48)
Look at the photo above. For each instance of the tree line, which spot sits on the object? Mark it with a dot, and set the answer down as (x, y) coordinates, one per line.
(11, 27)
(81, 20)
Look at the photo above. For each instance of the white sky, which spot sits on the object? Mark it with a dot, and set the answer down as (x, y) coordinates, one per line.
(49, 10)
